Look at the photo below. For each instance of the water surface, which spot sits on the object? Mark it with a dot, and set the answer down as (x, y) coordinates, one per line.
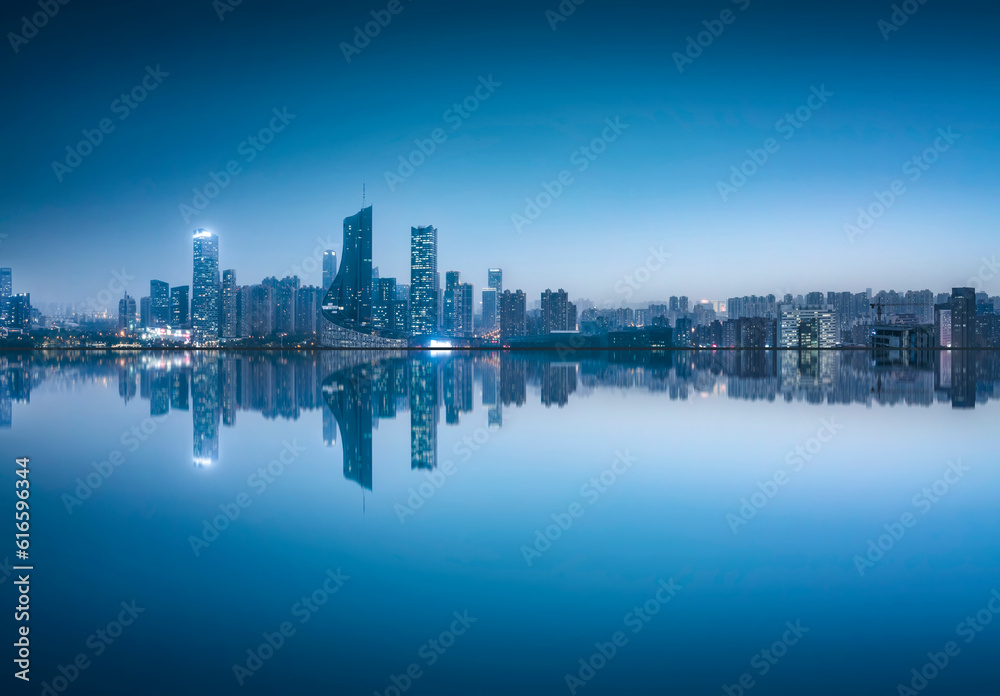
(479, 523)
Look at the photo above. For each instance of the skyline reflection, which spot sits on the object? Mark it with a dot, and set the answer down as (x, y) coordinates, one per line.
(357, 389)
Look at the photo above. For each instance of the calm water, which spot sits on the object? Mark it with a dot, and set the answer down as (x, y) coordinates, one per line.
(687, 523)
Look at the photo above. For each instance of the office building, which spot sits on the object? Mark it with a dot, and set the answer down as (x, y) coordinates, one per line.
(388, 311)
(159, 298)
(126, 313)
(329, 268)
(494, 280)
(348, 303)
(145, 312)
(491, 309)
(6, 292)
(179, 307)
(205, 287)
(423, 281)
(19, 312)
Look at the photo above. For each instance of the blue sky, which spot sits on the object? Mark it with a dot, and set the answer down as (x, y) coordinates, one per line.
(655, 185)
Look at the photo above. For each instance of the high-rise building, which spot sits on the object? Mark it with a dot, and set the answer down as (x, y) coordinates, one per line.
(388, 311)
(126, 313)
(684, 332)
(457, 312)
(558, 313)
(674, 304)
(262, 310)
(513, 314)
(963, 317)
(284, 304)
(308, 301)
(682, 304)
(179, 306)
(494, 280)
(348, 302)
(329, 268)
(205, 288)
(465, 293)
(159, 298)
(230, 305)
(942, 323)
(6, 292)
(491, 308)
(20, 311)
(423, 281)
(245, 311)
(807, 327)
(145, 312)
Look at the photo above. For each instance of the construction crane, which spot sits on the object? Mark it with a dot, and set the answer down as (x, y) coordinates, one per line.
(880, 304)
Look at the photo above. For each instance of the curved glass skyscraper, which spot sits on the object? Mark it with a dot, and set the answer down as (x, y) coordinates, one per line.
(348, 302)
(347, 307)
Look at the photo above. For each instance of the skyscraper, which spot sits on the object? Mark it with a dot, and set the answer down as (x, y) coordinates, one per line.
(454, 305)
(205, 288)
(963, 317)
(494, 279)
(423, 280)
(468, 305)
(490, 308)
(284, 304)
(329, 268)
(159, 299)
(348, 303)
(126, 313)
(145, 312)
(558, 313)
(245, 311)
(388, 312)
(20, 311)
(179, 306)
(513, 315)
(262, 310)
(230, 316)
(6, 291)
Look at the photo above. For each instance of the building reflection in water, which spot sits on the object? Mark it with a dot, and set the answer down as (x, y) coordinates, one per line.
(357, 389)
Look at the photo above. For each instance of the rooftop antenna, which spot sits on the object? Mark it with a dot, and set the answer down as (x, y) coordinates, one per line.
(362, 191)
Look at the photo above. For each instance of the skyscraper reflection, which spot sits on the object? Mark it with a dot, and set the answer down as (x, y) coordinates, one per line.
(348, 395)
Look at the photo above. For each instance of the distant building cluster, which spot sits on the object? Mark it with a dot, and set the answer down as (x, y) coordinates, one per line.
(355, 307)
(16, 313)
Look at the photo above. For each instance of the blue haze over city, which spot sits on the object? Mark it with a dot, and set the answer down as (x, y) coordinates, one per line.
(557, 79)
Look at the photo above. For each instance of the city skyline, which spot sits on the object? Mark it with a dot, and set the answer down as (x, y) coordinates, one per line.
(323, 264)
